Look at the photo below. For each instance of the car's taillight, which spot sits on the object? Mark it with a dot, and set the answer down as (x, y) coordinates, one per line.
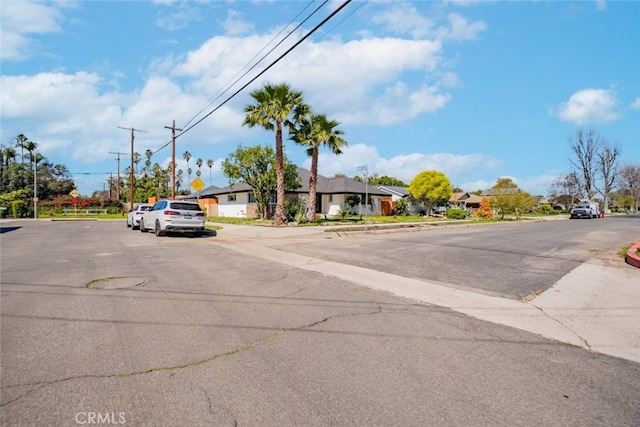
(171, 213)
(200, 214)
(139, 213)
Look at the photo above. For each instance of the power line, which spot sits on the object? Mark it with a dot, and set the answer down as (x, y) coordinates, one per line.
(306, 36)
(227, 86)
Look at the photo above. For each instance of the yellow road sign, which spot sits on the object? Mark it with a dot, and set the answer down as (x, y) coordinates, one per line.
(197, 184)
(74, 193)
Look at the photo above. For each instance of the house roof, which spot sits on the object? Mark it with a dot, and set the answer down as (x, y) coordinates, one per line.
(394, 190)
(324, 185)
(458, 197)
(474, 199)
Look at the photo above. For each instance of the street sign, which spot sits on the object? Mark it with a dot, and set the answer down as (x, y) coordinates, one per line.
(75, 201)
(197, 184)
(74, 194)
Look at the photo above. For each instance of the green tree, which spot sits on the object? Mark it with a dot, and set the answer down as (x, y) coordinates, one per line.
(430, 188)
(507, 198)
(21, 141)
(256, 166)
(273, 107)
(387, 180)
(187, 156)
(210, 164)
(312, 131)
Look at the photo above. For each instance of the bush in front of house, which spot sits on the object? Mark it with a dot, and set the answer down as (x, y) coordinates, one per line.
(456, 213)
(19, 208)
(545, 209)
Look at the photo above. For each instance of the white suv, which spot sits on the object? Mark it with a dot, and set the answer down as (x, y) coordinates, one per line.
(179, 216)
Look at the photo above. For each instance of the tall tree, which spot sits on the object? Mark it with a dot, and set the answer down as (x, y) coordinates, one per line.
(585, 148)
(255, 166)
(31, 146)
(273, 106)
(629, 176)
(311, 131)
(199, 164)
(210, 164)
(21, 140)
(187, 156)
(607, 159)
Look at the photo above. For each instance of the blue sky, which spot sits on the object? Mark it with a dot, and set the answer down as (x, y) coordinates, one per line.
(476, 89)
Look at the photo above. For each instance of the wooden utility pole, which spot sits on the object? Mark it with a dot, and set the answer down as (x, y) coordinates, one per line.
(131, 183)
(118, 179)
(173, 158)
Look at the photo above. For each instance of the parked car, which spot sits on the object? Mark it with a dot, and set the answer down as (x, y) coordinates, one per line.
(133, 218)
(591, 210)
(169, 216)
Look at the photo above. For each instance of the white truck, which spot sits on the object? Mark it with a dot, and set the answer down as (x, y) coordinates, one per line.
(586, 210)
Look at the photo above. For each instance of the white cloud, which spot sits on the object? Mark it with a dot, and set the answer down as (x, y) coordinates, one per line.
(404, 18)
(636, 104)
(457, 167)
(350, 79)
(20, 20)
(589, 106)
(234, 24)
(461, 29)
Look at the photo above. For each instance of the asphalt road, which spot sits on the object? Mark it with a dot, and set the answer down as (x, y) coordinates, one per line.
(512, 260)
(100, 323)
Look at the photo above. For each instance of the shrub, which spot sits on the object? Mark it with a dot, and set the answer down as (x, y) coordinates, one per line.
(545, 209)
(352, 200)
(456, 213)
(485, 211)
(294, 210)
(19, 208)
(401, 207)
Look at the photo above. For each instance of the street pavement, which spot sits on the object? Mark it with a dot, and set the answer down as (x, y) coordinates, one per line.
(596, 306)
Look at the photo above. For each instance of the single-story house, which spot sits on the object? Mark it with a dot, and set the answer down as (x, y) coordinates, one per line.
(398, 193)
(238, 200)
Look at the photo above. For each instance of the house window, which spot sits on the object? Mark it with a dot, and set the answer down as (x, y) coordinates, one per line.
(252, 198)
(331, 197)
(231, 198)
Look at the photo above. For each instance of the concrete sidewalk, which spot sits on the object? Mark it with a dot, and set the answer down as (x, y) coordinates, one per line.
(595, 306)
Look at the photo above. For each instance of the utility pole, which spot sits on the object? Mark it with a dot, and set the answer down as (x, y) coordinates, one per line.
(118, 179)
(131, 184)
(173, 158)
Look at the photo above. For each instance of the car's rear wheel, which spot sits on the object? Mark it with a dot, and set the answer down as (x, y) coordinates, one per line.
(157, 229)
(142, 227)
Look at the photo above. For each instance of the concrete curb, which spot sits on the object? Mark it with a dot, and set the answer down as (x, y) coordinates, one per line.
(632, 258)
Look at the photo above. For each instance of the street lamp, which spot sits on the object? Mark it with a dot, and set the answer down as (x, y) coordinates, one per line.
(365, 168)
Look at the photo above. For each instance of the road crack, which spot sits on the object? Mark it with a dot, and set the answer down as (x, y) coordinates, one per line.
(263, 341)
(584, 340)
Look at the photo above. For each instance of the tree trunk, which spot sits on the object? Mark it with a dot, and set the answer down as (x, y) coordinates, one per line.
(313, 181)
(280, 217)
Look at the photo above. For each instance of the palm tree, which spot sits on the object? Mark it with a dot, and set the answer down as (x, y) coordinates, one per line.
(20, 142)
(210, 164)
(136, 160)
(30, 146)
(187, 155)
(199, 164)
(311, 132)
(9, 155)
(274, 104)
